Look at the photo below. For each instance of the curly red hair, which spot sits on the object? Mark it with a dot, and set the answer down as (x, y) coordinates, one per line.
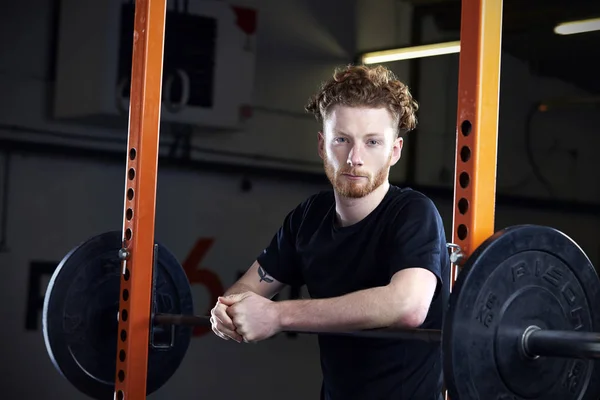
(363, 86)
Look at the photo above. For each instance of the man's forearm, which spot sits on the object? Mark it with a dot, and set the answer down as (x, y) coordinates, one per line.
(364, 309)
(256, 280)
(237, 288)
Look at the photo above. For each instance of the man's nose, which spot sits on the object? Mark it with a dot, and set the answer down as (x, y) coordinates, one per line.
(355, 156)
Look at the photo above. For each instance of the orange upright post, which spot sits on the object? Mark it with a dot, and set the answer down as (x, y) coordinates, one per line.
(140, 199)
(477, 124)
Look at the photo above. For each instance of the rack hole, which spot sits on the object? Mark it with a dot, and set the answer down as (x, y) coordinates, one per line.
(132, 153)
(463, 206)
(465, 154)
(466, 127)
(464, 179)
(462, 232)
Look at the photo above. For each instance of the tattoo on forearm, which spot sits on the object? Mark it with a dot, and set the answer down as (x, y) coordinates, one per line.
(264, 276)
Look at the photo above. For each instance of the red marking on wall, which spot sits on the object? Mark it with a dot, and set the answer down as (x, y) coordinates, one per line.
(199, 275)
(246, 19)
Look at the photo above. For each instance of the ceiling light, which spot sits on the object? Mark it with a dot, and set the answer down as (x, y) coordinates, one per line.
(406, 53)
(570, 28)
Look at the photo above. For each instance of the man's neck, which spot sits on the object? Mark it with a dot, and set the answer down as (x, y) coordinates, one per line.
(350, 211)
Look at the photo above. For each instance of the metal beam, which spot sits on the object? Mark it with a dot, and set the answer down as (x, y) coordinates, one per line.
(477, 124)
(140, 199)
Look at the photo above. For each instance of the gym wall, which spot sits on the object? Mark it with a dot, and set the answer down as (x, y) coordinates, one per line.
(64, 187)
(562, 140)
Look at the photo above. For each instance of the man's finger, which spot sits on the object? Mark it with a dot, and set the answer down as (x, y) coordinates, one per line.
(232, 335)
(223, 332)
(219, 334)
(222, 317)
(233, 298)
(226, 323)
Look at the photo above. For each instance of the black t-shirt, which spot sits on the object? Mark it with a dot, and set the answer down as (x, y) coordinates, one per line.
(405, 230)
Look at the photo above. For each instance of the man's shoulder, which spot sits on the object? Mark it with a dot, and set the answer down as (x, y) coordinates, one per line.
(407, 208)
(408, 199)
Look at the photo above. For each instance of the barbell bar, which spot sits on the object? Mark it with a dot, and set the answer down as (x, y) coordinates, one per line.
(534, 342)
(426, 335)
(522, 320)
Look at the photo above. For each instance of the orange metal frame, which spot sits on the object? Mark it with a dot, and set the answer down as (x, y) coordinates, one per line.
(477, 124)
(475, 169)
(140, 199)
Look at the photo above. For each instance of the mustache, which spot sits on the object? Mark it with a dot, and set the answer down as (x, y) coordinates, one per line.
(352, 171)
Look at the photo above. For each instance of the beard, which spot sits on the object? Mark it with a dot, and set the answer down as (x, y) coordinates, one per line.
(355, 189)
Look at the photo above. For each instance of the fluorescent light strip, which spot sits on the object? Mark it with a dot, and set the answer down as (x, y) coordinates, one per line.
(573, 27)
(407, 53)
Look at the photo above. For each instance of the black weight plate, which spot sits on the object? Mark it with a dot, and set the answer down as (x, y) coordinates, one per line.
(521, 276)
(80, 316)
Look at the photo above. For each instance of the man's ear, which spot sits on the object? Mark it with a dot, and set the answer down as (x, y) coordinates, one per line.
(397, 150)
(321, 144)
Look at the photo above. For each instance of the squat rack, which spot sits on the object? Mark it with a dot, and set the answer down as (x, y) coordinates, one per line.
(475, 166)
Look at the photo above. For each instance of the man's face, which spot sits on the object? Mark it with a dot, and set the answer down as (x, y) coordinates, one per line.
(358, 146)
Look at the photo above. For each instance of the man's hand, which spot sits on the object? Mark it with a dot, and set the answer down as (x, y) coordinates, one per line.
(221, 323)
(255, 317)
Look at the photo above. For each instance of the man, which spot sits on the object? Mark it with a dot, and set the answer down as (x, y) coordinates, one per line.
(371, 254)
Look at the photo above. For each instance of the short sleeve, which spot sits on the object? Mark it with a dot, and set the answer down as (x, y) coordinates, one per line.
(280, 258)
(418, 238)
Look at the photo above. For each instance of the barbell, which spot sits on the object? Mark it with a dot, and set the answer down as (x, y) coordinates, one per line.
(520, 321)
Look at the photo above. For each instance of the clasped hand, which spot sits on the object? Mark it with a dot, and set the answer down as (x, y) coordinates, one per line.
(246, 317)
